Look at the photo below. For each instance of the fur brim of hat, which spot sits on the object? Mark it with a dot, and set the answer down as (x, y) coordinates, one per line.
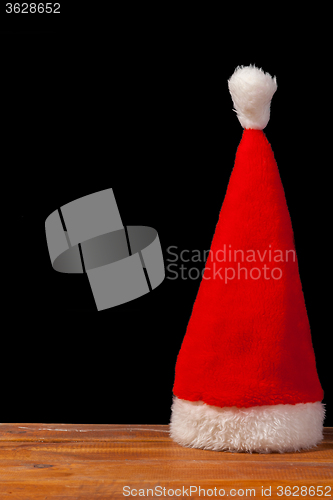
(263, 429)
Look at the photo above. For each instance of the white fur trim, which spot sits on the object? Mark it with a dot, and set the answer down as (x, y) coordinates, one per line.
(264, 429)
(252, 90)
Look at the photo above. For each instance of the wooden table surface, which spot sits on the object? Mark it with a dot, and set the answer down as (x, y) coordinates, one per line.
(62, 461)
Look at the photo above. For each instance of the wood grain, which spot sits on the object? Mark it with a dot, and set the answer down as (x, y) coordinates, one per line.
(63, 461)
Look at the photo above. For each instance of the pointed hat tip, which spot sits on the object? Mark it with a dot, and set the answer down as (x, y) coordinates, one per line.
(252, 90)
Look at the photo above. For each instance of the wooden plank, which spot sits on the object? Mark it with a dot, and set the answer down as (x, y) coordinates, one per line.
(97, 461)
(88, 432)
(108, 450)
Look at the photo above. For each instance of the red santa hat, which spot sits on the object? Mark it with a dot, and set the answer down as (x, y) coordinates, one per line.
(246, 377)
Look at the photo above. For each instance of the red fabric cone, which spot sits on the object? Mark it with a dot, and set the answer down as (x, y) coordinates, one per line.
(248, 341)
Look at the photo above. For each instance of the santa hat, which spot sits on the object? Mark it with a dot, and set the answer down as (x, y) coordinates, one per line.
(246, 377)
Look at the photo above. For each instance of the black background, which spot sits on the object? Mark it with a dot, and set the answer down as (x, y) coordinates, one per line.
(138, 101)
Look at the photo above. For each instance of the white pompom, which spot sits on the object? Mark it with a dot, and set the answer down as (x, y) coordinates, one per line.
(252, 90)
